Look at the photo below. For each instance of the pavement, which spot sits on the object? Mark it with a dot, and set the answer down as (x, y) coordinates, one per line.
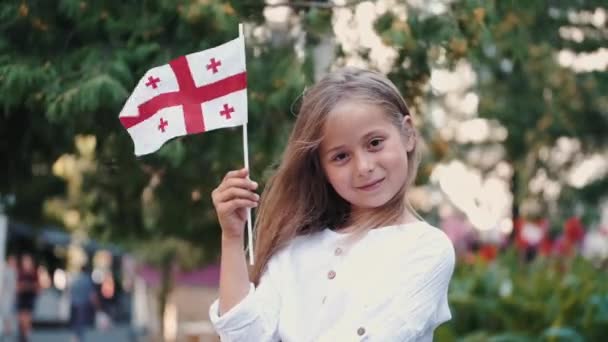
(51, 323)
(121, 333)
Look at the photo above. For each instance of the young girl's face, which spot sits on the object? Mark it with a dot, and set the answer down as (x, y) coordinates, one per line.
(364, 155)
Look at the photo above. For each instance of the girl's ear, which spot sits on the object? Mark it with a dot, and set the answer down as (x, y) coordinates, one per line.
(409, 132)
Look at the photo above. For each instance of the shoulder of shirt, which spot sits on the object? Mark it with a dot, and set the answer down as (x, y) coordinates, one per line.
(426, 238)
(429, 232)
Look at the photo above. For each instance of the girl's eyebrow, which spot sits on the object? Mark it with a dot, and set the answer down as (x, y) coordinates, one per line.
(372, 133)
(334, 149)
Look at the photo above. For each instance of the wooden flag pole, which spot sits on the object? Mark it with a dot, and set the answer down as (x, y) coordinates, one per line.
(246, 157)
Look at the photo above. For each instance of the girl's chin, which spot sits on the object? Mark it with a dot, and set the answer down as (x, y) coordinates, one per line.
(366, 206)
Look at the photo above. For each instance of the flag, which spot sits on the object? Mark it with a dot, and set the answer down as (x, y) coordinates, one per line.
(195, 93)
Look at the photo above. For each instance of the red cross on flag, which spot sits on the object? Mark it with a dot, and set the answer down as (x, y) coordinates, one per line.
(195, 93)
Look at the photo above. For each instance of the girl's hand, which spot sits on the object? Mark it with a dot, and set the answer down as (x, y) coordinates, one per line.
(231, 199)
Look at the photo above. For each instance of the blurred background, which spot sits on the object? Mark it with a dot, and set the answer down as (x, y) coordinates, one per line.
(510, 97)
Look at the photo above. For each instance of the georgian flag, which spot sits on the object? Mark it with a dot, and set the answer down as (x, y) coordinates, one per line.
(195, 93)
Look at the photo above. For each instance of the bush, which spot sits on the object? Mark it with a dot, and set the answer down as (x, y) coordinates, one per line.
(547, 299)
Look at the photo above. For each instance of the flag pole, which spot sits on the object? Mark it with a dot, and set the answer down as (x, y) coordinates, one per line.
(246, 157)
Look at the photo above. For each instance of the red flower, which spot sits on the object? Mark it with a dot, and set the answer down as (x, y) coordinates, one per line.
(488, 252)
(563, 246)
(546, 247)
(573, 229)
(519, 241)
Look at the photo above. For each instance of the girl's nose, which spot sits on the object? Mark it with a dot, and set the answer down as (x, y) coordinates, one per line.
(365, 164)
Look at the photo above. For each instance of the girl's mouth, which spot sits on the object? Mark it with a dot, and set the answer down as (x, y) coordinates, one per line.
(372, 185)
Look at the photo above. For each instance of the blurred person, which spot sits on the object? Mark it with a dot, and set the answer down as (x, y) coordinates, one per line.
(27, 290)
(8, 295)
(107, 292)
(83, 302)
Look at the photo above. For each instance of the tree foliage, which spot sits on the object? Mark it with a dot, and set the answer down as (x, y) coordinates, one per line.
(515, 50)
(549, 299)
(67, 67)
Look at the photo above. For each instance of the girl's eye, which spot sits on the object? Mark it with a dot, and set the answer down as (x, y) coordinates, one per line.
(340, 157)
(375, 143)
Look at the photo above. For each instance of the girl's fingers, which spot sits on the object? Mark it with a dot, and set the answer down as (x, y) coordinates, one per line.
(235, 204)
(241, 173)
(243, 183)
(236, 193)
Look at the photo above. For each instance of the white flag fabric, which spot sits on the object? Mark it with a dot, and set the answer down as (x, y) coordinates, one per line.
(195, 93)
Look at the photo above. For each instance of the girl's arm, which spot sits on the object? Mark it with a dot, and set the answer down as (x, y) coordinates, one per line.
(242, 312)
(231, 199)
(234, 279)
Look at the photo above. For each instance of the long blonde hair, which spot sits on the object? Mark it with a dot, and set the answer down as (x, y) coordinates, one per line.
(298, 199)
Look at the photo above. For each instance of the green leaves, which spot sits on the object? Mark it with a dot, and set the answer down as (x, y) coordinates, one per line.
(317, 21)
(550, 299)
(67, 68)
(21, 83)
(91, 95)
(562, 334)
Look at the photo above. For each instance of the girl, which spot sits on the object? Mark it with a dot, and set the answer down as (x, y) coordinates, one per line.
(340, 255)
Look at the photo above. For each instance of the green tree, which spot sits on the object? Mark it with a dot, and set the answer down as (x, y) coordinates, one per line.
(514, 48)
(66, 69)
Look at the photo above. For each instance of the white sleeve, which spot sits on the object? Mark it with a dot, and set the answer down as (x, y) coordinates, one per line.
(255, 318)
(419, 307)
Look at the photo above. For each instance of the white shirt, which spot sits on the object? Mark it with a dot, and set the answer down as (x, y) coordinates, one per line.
(389, 286)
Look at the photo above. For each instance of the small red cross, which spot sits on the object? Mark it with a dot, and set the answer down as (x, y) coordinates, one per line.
(162, 125)
(152, 82)
(226, 112)
(213, 65)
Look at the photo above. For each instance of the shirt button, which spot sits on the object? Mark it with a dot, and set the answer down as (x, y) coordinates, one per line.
(338, 251)
(331, 274)
(361, 331)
